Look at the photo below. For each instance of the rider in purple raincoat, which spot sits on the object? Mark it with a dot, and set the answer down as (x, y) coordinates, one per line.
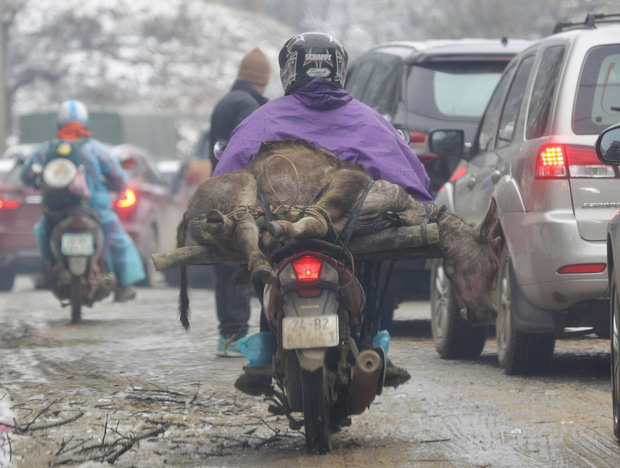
(317, 109)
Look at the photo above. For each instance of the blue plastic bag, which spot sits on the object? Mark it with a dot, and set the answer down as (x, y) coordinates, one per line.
(258, 348)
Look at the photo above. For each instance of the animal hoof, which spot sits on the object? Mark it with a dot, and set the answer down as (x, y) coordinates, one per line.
(214, 216)
(275, 229)
(268, 240)
(264, 273)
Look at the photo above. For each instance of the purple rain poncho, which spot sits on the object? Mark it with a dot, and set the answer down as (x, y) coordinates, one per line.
(329, 117)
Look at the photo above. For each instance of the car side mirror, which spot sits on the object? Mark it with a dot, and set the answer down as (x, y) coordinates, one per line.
(447, 142)
(608, 145)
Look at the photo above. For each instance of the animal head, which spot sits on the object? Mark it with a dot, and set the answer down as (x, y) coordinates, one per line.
(471, 261)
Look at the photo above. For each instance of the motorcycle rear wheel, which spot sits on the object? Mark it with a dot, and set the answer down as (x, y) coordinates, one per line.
(316, 412)
(76, 299)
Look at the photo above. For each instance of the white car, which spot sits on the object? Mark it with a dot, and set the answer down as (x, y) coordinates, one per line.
(534, 154)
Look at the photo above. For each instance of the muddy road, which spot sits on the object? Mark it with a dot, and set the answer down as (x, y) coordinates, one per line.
(130, 387)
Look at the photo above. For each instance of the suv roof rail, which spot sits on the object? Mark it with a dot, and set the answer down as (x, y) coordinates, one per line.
(592, 19)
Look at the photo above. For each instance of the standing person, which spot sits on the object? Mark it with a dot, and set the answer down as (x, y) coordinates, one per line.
(245, 97)
(102, 171)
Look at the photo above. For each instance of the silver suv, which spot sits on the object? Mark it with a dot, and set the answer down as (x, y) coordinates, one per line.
(534, 154)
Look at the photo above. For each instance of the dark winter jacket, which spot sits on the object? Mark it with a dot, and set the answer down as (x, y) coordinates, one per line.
(241, 101)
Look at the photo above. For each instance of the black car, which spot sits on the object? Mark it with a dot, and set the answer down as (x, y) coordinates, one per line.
(421, 86)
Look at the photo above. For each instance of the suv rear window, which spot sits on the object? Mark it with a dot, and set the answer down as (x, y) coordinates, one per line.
(598, 94)
(452, 90)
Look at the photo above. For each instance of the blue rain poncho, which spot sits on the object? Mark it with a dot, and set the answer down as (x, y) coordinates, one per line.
(100, 165)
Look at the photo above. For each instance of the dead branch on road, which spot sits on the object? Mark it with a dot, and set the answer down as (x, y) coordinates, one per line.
(108, 452)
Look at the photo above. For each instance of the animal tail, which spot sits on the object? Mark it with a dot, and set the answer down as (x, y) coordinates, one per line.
(184, 311)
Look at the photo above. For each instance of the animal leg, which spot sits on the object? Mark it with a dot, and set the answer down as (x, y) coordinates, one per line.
(246, 238)
(345, 187)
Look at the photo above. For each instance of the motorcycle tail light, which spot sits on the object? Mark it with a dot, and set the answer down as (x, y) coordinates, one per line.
(128, 198)
(307, 268)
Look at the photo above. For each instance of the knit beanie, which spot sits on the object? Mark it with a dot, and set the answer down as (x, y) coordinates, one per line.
(255, 68)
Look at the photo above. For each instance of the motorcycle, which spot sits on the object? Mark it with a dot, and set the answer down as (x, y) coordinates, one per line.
(80, 274)
(328, 361)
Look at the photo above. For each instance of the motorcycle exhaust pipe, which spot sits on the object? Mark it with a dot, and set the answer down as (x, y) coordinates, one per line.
(364, 380)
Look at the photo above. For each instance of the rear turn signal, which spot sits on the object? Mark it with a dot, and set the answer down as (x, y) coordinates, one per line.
(127, 199)
(558, 161)
(307, 268)
(583, 268)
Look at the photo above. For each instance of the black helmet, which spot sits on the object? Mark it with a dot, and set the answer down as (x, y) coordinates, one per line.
(312, 55)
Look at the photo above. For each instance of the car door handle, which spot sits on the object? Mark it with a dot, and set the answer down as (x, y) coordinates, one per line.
(495, 176)
(471, 182)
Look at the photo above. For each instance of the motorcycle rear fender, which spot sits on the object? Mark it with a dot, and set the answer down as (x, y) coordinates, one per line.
(78, 265)
(311, 359)
(326, 303)
(350, 292)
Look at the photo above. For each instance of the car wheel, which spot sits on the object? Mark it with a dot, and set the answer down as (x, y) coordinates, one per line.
(454, 337)
(614, 302)
(7, 278)
(150, 247)
(518, 353)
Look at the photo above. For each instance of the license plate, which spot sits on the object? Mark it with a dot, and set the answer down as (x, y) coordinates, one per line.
(77, 244)
(310, 332)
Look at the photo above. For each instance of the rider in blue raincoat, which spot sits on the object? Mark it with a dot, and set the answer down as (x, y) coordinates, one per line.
(103, 172)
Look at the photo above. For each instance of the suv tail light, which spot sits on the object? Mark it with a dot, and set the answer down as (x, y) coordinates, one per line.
(417, 137)
(558, 161)
(307, 268)
(126, 199)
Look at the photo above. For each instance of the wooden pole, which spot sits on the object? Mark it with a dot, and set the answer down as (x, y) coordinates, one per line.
(404, 243)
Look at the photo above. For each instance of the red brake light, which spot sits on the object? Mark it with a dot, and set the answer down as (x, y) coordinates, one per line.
(551, 162)
(583, 162)
(128, 163)
(417, 137)
(9, 204)
(460, 172)
(427, 158)
(583, 268)
(558, 161)
(307, 268)
(128, 198)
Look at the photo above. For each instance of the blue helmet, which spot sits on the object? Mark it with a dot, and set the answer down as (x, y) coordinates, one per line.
(72, 111)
